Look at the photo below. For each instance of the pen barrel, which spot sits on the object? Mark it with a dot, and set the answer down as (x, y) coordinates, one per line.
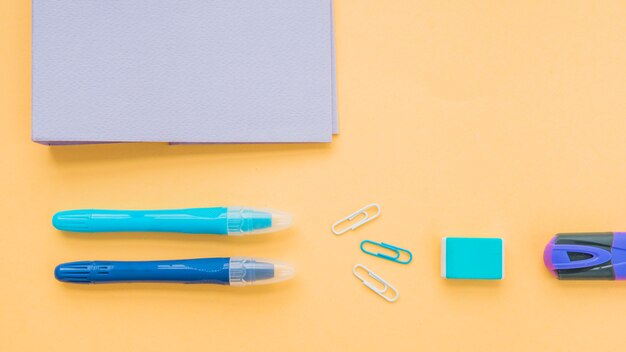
(188, 271)
(192, 221)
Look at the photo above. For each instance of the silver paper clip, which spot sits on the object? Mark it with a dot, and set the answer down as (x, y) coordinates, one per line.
(379, 291)
(362, 211)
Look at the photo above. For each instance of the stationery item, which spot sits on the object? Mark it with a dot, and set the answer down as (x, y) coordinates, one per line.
(587, 256)
(382, 292)
(367, 217)
(231, 221)
(396, 250)
(472, 258)
(234, 271)
(196, 71)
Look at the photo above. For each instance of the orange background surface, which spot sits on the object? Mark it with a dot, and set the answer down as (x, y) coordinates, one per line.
(464, 118)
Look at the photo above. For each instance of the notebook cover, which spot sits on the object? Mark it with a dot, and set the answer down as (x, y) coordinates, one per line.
(190, 71)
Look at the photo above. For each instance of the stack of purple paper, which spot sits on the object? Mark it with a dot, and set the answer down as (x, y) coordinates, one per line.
(192, 71)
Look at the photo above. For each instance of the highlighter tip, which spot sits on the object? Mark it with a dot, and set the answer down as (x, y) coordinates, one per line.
(248, 221)
(250, 271)
(283, 272)
(281, 220)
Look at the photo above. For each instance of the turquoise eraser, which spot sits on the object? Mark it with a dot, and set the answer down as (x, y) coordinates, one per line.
(472, 258)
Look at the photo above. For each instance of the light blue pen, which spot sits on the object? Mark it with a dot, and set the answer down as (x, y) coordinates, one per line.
(231, 221)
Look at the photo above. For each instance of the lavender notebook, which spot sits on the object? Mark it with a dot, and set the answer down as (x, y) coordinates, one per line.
(183, 71)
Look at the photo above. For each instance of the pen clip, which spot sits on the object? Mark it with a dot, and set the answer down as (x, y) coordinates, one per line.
(362, 211)
(396, 250)
(379, 291)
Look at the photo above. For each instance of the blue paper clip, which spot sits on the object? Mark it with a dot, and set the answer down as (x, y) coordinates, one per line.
(398, 252)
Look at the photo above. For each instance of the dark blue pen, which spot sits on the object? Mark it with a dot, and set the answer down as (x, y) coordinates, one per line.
(234, 271)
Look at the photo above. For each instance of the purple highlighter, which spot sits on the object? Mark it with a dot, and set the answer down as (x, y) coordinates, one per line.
(587, 256)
